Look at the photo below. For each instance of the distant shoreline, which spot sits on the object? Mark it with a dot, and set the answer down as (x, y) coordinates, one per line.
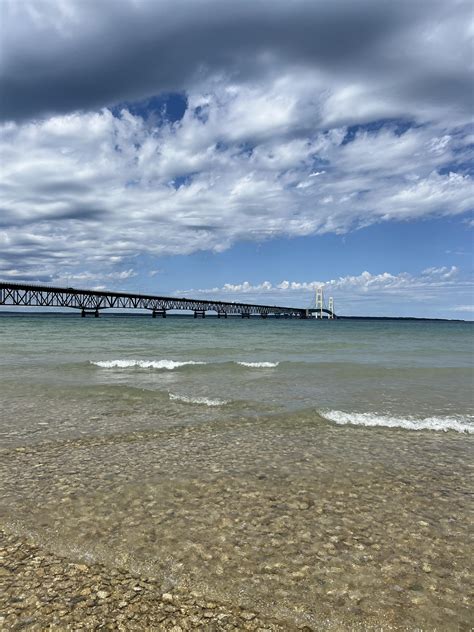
(443, 320)
(237, 316)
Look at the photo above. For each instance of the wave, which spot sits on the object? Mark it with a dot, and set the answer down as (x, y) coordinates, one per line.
(144, 364)
(198, 400)
(172, 364)
(458, 424)
(259, 365)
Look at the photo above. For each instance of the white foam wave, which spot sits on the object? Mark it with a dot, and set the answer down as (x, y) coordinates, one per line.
(198, 400)
(458, 424)
(143, 364)
(259, 365)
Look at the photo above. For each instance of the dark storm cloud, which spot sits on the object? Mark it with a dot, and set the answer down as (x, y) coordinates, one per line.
(61, 187)
(77, 213)
(61, 57)
(71, 211)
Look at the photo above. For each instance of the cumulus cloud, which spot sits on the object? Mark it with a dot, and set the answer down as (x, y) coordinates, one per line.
(301, 118)
(366, 293)
(364, 282)
(103, 188)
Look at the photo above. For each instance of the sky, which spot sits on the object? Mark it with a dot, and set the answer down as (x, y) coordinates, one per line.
(250, 150)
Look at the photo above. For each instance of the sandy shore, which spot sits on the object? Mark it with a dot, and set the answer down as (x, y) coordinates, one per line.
(41, 591)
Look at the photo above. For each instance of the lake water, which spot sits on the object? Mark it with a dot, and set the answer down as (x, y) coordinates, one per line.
(316, 471)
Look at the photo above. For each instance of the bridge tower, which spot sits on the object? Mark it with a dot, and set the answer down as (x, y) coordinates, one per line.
(331, 307)
(319, 302)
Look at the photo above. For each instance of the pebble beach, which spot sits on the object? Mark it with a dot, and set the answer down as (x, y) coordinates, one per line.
(42, 591)
(295, 541)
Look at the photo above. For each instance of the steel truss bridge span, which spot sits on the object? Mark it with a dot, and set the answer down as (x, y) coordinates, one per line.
(90, 302)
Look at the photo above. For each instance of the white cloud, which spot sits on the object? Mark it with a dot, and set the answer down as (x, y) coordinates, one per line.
(463, 308)
(443, 272)
(365, 293)
(86, 278)
(384, 282)
(92, 187)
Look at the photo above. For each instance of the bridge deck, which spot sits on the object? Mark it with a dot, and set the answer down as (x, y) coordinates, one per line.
(32, 295)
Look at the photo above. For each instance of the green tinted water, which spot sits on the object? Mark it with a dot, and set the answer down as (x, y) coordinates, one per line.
(328, 474)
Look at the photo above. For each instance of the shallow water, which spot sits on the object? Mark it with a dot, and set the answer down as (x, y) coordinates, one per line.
(328, 474)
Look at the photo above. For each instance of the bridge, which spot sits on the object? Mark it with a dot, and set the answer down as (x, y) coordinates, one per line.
(90, 302)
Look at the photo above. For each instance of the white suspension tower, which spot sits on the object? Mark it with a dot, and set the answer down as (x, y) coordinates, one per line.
(319, 302)
(331, 307)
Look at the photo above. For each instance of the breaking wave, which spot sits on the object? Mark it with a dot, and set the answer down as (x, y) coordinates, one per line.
(144, 364)
(198, 400)
(458, 424)
(259, 365)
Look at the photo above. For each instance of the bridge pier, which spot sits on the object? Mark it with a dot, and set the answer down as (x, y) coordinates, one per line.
(159, 312)
(89, 302)
(89, 312)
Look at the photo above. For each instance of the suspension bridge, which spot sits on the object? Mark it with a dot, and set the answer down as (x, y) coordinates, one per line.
(92, 302)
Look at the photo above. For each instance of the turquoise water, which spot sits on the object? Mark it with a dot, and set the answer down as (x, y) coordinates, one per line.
(318, 472)
(63, 376)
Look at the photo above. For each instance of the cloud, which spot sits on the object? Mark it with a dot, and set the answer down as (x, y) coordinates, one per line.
(301, 118)
(365, 293)
(102, 188)
(82, 279)
(463, 308)
(366, 281)
(442, 272)
(373, 59)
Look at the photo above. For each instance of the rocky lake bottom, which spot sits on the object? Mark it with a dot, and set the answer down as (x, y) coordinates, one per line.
(275, 523)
